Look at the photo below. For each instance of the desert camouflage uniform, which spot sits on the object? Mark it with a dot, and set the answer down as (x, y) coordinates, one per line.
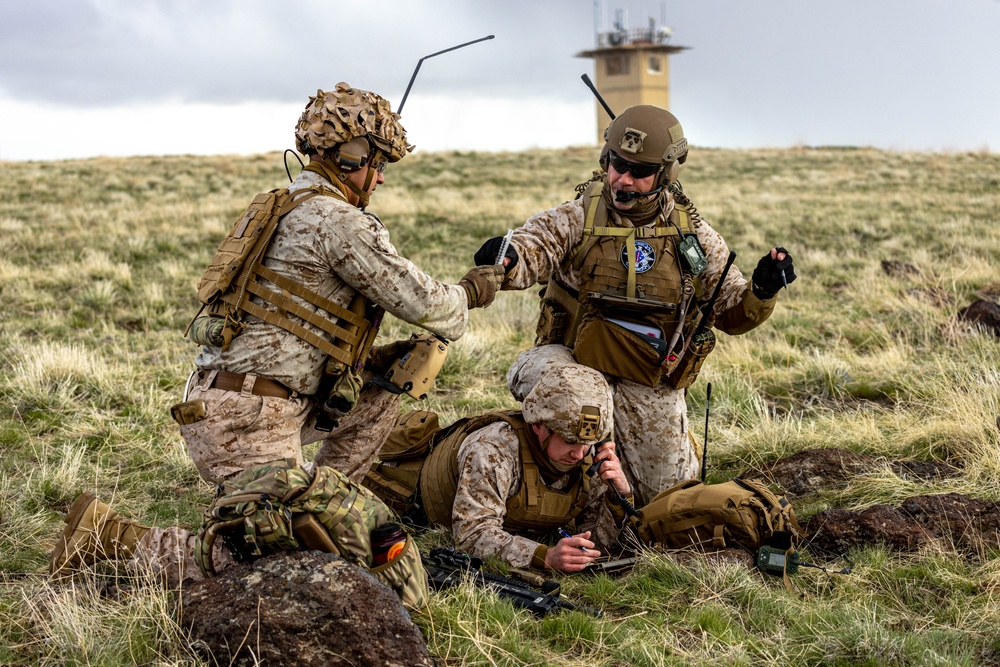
(332, 248)
(651, 423)
(169, 553)
(489, 475)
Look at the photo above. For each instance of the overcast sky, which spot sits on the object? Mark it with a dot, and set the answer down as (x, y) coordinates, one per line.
(81, 78)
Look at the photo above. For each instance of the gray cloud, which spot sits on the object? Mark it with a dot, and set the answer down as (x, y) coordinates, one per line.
(106, 52)
(892, 73)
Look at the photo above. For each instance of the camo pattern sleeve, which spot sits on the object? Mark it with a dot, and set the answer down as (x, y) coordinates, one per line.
(737, 310)
(334, 249)
(543, 243)
(488, 476)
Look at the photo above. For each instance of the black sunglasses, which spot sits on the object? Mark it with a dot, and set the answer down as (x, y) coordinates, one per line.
(637, 169)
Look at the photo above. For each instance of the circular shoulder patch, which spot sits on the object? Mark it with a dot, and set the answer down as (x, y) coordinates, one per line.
(645, 256)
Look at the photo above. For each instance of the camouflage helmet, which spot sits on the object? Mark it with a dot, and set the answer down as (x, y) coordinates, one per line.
(649, 134)
(346, 113)
(573, 401)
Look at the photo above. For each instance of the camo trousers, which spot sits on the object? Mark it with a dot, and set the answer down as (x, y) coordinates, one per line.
(243, 430)
(168, 553)
(651, 425)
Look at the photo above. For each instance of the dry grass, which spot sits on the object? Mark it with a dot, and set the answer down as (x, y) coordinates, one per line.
(97, 279)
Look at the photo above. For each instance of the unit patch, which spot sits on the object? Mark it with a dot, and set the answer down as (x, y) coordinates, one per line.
(645, 256)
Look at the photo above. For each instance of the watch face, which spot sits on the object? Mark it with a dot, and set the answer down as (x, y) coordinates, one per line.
(645, 256)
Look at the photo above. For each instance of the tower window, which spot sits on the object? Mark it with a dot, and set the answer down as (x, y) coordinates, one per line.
(655, 65)
(616, 65)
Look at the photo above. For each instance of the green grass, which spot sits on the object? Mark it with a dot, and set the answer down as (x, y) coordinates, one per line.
(97, 278)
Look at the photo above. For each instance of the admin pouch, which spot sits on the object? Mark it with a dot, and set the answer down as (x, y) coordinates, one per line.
(740, 512)
(613, 349)
(282, 507)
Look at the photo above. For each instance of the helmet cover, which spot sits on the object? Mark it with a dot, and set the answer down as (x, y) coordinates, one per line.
(573, 401)
(335, 117)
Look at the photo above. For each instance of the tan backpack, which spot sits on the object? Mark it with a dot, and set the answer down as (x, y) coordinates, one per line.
(741, 512)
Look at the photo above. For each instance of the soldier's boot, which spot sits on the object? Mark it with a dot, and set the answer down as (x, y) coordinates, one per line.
(93, 532)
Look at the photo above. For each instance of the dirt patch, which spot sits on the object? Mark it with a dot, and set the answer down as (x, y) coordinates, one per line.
(813, 470)
(899, 269)
(969, 524)
(984, 313)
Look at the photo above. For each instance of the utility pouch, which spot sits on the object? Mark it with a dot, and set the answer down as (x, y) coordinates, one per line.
(406, 575)
(613, 349)
(394, 477)
(189, 412)
(686, 372)
(342, 396)
(551, 323)
(311, 534)
(395, 483)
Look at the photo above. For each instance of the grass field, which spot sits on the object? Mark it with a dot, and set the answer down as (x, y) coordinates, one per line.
(98, 264)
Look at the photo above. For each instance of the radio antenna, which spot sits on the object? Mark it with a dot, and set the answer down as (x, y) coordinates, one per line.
(593, 89)
(704, 447)
(419, 62)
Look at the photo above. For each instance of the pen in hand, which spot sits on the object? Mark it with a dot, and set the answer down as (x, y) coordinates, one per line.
(562, 531)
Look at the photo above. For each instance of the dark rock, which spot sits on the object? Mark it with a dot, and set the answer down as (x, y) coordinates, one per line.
(924, 469)
(301, 608)
(985, 313)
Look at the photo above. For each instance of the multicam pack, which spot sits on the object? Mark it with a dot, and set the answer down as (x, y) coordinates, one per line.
(282, 507)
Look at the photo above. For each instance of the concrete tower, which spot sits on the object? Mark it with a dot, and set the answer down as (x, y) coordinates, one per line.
(631, 66)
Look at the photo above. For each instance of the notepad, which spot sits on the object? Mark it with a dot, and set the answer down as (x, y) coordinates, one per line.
(635, 327)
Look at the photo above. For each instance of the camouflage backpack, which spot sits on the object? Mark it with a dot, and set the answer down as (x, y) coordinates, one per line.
(282, 507)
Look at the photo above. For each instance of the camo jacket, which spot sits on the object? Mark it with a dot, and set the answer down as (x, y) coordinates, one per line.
(546, 240)
(334, 248)
(489, 474)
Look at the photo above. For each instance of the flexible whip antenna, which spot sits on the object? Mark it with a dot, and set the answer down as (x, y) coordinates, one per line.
(419, 62)
(593, 89)
(704, 447)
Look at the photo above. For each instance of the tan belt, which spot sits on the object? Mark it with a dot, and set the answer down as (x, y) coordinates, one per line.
(234, 382)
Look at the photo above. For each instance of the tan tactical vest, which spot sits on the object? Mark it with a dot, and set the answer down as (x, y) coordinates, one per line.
(630, 274)
(534, 510)
(237, 273)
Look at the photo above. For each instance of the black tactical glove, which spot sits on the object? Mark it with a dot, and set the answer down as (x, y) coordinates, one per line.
(383, 356)
(771, 275)
(481, 284)
(488, 253)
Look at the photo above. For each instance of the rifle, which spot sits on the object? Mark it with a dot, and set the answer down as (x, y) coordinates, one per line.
(447, 567)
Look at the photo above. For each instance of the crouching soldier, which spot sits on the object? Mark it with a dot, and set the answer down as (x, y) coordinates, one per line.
(269, 508)
(509, 484)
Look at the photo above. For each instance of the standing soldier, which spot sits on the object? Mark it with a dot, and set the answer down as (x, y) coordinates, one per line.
(630, 267)
(293, 300)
